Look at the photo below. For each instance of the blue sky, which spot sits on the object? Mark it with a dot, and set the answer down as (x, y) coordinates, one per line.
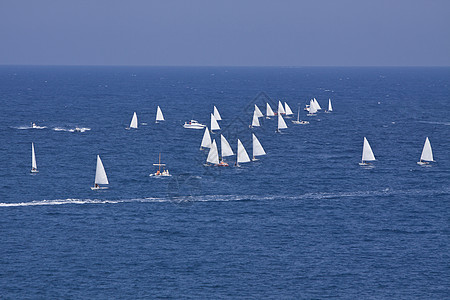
(226, 33)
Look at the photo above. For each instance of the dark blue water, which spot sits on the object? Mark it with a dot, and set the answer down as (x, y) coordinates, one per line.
(305, 221)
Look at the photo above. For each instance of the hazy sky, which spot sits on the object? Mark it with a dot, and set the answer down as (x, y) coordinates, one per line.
(231, 33)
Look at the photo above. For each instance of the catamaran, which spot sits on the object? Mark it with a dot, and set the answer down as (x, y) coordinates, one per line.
(269, 111)
(367, 154)
(158, 173)
(214, 123)
(193, 124)
(298, 118)
(134, 121)
(242, 156)
(288, 110)
(281, 123)
(206, 141)
(330, 108)
(33, 160)
(225, 149)
(259, 114)
(216, 114)
(255, 120)
(100, 176)
(159, 115)
(213, 155)
(258, 150)
(427, 154)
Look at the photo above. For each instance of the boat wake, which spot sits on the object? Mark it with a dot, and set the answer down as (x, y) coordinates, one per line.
(228, 198)
(435, 123)
(29, 127)
(76, 129)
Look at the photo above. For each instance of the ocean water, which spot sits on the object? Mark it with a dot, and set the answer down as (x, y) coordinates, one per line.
(303, 222)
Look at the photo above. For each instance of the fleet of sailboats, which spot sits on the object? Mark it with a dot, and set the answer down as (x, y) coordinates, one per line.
(100, 176)
(367, 154)
(427, 154)
(33, 160)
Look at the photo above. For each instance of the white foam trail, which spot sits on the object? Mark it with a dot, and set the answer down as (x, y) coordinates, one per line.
(28, 127)
(76, 129)
(437, 123)
(225, 198)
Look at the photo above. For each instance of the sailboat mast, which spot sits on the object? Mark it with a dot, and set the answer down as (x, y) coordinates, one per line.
(159, 162)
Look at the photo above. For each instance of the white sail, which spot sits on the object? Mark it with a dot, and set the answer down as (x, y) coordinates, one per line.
(225, 146)
(33, 158)
(255, 120)
(214, 124)
(216, 114)
(134, 121)
(312, 107)
(427, 153)
(330, 108)
(159, 115)
(213, 155)
(281, 122)
(258, 112)
(317, 104)
(257, 147)
(206, 141)
(367, 154)
(100, 174)
(269, 111)
(287, 109)
(242, 155)
(281, 108)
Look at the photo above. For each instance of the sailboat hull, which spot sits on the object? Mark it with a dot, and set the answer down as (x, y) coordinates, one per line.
(423, 163)
(99, 188)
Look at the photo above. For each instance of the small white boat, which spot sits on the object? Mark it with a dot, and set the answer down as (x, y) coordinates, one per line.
(312, 109)
(281, 123)
(258, 149)
(100, 176)
(242, 155)
(225, 151)
(330, 108)
(214, 123)
(269, 111)
(193, 124)
(216, 114)
(33, 125)
(298, 119)
(33, 160)
(134, 121)
(159, 115)
(164, 173)
(287, 110)
(206, 141)
(427, 154)
(281, 108)
(255, 120)
(367, 154)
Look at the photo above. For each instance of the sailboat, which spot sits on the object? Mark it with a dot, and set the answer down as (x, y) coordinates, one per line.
(255, 120)
(100, 176)
(206, 141)
(330, 108)
(134, 121)
(214, 123)
(367, 154)
(158, 173)
(33, 160)
(312, 108)
(281, 108)
(269, 111)
(216, 114)
(281, 123)
(317, 104)
(287, 109)
(242, 156)
(159, 115)
(427, 154)
(226, 150)
(213, 155)
(258, 150)
(259, 114)
(298, 118)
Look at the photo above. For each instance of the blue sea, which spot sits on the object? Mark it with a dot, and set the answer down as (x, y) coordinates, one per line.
(305, 221)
